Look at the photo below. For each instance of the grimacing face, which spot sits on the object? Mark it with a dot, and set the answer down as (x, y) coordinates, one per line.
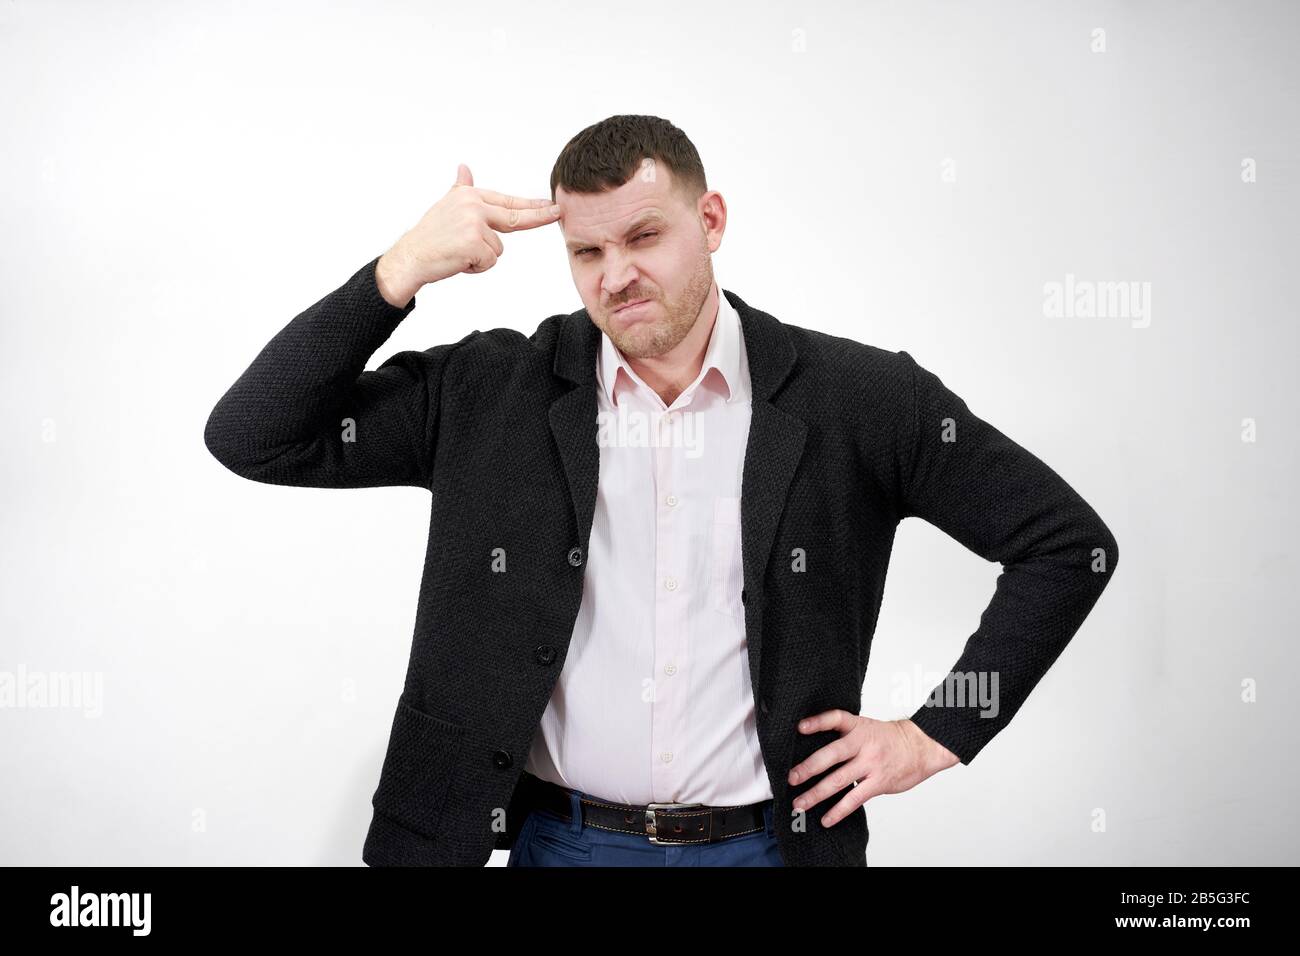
(643, 241)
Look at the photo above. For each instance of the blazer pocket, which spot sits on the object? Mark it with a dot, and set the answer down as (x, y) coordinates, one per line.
(726, 572)
(422, 758)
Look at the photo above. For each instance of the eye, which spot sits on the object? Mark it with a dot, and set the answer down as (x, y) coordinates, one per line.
(644, 235)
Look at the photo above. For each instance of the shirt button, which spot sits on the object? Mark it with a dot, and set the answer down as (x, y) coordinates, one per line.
(670, 670)
(670, 584)
(670, 500)
(666, 757)
(575, 556)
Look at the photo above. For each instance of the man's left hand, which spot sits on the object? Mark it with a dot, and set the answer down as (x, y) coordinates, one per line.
(881, 756)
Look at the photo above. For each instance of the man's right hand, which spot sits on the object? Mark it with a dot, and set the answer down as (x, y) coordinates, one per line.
(458, 234)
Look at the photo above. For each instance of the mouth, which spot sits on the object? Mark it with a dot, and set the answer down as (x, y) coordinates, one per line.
(632, 307)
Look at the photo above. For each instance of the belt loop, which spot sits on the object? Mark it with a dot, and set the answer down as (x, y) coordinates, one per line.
(768, 818)
(575, 810)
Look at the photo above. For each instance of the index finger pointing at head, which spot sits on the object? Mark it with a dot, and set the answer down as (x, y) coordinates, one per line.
(512, 202)
(512, 220)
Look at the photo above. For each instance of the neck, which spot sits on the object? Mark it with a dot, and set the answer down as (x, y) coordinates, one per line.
(670, 373)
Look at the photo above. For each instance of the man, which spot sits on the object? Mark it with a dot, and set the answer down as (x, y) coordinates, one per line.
(659, 536)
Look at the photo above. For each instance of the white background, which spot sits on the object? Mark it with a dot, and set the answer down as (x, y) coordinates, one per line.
(179, 180)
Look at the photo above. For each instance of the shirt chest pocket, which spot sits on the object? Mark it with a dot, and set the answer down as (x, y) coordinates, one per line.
(726, 572)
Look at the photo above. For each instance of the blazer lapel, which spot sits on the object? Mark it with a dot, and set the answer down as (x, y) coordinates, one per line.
(773, 450)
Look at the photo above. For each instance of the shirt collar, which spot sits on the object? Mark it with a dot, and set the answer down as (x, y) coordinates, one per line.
(725, 354)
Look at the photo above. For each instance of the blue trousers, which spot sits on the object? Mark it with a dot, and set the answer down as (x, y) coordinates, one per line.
(547, 839)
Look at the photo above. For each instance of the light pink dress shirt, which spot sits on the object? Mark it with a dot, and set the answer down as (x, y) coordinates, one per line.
(654, 703)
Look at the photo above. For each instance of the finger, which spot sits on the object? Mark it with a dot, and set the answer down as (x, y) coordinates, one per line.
(481, 259)
(864, 791)
(824, 758)
(512, 202)
(831, 784)
(493, 240)
(488, 258)
(837, 751)
(463, 176)
(826, 720)
(512, 220)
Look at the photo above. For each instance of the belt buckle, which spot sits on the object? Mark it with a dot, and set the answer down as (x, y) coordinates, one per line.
(652, 825)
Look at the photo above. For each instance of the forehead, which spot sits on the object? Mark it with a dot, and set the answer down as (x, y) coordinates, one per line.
(596, 217)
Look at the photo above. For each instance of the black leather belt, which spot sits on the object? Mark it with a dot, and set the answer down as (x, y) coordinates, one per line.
(662, 823)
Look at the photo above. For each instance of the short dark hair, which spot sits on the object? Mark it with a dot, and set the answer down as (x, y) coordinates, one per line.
(607, 154)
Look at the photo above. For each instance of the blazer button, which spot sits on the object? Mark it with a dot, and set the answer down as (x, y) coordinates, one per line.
(575, 556)
(742, 596)
(501, 759)
(763, 705)
(545, 653)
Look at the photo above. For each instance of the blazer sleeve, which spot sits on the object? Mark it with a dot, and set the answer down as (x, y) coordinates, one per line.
(306, 413)
(964, 476)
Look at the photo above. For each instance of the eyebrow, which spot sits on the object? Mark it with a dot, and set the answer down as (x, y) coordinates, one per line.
(645, 219)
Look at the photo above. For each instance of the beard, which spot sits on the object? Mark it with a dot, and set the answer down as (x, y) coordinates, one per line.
(649, 338)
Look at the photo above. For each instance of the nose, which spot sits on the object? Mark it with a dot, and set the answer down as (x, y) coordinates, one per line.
(620, 274)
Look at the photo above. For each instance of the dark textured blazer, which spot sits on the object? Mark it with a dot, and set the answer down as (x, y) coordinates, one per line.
(846, 440)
